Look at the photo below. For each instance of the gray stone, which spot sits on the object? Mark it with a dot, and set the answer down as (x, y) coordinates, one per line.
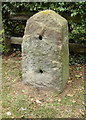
(45, 51)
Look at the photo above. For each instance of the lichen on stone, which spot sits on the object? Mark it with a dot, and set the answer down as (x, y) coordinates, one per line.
(46, 12)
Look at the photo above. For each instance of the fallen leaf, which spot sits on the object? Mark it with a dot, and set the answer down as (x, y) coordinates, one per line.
(70, 81)
(14, 54)
(1, 90)
(37, 101)
(74, 101)
(14, 91)
(78, 76)
(23, 108)
(8, 113)
(32, 99)
(22, 116)
(83, 103)
(22, 91)
(70, 95)
(59, 100)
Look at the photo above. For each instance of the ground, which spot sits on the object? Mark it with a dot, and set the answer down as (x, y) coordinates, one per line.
(22, 101)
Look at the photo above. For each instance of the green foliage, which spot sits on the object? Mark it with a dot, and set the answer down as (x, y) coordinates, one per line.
(77, 59)
(2, 46)
(74, 10)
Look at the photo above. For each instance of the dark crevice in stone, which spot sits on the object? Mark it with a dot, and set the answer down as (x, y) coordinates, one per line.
(41, 71)
(40, 37)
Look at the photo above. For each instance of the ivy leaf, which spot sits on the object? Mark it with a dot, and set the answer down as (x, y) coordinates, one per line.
(14, 80)
(78, 76)
(34, 8)
(1, 31)
(73, 14)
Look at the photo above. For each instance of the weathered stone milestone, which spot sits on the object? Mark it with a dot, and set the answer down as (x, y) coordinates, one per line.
(45, 51)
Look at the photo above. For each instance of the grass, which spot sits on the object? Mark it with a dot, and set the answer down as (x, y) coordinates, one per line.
(20, 100)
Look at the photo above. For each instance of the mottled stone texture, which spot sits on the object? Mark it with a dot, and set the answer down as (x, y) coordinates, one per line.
(45, 51)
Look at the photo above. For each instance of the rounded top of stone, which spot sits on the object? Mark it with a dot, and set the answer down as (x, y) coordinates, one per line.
(46, 19)
(46, 14)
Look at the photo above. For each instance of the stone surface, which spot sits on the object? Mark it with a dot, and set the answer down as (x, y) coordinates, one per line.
(45, 51)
